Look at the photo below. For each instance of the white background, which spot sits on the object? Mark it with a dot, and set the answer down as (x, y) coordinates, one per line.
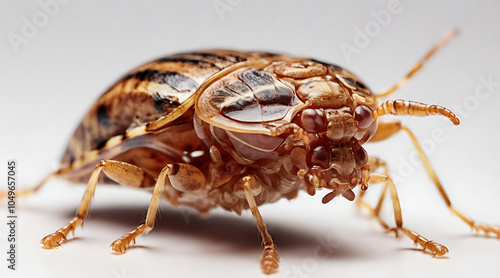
(84, 46)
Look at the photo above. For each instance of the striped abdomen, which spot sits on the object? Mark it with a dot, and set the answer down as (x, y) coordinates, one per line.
(144, 95)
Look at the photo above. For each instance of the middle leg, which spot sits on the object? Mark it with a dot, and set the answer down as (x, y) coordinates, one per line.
(121, 172)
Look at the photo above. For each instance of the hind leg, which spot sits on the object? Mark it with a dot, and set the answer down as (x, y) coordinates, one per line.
(124, 173)
(26, 192)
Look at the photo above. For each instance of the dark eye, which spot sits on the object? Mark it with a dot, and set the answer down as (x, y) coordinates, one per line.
(361, 155)
(320, 156)
(363, 114)
(313, 120)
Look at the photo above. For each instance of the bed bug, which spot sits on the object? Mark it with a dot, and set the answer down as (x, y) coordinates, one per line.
(236, 130)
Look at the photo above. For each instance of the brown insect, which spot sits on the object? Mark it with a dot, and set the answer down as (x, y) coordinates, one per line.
(222, 128)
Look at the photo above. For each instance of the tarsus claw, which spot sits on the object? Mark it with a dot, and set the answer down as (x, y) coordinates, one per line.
(270, 260)
(120, 245)
(53, 240)
(487, 229)
(435, 248)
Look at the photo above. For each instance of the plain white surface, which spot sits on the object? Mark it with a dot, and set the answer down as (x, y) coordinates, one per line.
(87, 45)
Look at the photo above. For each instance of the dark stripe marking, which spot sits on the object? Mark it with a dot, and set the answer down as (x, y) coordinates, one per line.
(327, 64)
(189, 61)
(280, 94)
(101, 145)
(174, 79)
(216, 57)
(162, 102)
(103, 116)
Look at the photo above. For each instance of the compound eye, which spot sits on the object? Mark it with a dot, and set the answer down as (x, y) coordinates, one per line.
(361, 155)
(363, 114)
(313, 120)
(320, 156)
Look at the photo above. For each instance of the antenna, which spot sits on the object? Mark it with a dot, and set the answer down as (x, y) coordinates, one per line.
(420, 63)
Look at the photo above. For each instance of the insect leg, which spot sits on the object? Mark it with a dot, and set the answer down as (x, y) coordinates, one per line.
(388, 128)
(296, 130)
(385, 130)
(183, 177)
(121, 172)
(26, 192)
(270, 258)
(419, 65)
(477, 227)
(435, 248)
(376, 163)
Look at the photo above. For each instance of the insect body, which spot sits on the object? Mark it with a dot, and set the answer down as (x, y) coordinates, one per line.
(236, 130)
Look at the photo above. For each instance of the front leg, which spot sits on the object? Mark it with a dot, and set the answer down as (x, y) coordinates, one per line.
(435, 248)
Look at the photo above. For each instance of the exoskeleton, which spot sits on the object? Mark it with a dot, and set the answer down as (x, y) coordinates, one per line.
(230, 129)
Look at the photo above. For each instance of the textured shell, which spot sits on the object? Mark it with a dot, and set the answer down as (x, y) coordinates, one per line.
(157, 88)
(144, 95)
(252, 99)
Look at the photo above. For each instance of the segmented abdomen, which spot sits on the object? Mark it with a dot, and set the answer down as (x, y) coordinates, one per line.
(144, 95)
